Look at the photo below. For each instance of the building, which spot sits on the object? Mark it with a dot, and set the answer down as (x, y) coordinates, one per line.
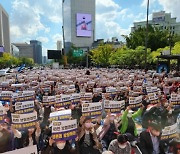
(25, 50)
(37, 50)
(59, 45)
(14, 50)
(44, 60)
(32, 50)
(162, 20)
(78, 23)
(4, 30)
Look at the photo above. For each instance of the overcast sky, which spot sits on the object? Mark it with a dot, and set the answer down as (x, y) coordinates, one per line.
(42, 19)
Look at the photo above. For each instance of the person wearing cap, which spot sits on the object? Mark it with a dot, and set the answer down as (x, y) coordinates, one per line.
(127, 124)
(88, 141)
(120, 145)
(150, 139)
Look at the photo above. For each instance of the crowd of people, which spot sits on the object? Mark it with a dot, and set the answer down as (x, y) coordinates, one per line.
(144, 116)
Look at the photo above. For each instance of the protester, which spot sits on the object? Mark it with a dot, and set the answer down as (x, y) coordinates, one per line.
(150, 139)
(120, 145)
(69, 112)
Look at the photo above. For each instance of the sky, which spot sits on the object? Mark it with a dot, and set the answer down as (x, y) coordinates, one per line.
(42, 19)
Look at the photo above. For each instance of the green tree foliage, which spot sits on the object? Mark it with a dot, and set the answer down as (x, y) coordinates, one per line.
(102, 54)
(75, 60)
(156, 38)
(7, 60)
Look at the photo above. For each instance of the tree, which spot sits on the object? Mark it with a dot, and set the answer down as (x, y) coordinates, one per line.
(102, 54)
(156, 38)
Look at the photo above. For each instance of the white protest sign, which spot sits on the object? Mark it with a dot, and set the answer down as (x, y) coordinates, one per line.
(170, 132)
(26, 150)
(64, 130)
(114, 106)
(60, 115)
(22, 121)
(92, 109)
(135, 101)
(24, 107)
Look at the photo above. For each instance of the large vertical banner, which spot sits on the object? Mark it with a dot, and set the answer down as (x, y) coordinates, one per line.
(83, 24)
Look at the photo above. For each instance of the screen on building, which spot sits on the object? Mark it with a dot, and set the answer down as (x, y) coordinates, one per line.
(1, 49)
(83, 25)
(54, 54)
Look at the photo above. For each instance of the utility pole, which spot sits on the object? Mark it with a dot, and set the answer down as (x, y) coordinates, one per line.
(65, 59)
(146, 40)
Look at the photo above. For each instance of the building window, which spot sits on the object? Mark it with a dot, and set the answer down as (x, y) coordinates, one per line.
(165, 27)
(173, 32)
(173, 27)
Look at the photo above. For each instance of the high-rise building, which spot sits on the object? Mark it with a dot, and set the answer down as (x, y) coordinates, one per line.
(79, 23)
(59, 45)
(32, 50)
(162, 20)
(4, 30)
(37, 50)
(25, 50)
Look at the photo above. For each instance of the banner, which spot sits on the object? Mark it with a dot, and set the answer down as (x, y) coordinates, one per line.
(114, 106)
(91, 109)
(24, 107)
(75, 98)
(175, 99)
(86, 96)
(24, 121)
(64, 130)
(135, 101)
(97, 90)
(153, 99)
(27, 150)
(63, 101)
(60, 115)
(49, 100)
(170, 132)
(6, 95)
(2, 113)
(25, 96)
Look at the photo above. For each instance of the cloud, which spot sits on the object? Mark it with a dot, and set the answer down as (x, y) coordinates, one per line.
(171, 7)
(57, 37)
(25, 20)
(42, 39)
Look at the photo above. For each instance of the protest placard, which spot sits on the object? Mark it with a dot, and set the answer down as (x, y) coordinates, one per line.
(6, 95)
(170, 132)
(2, 113)
(25, 96)
(24, 107)
(60, 115)
(114, 106)
(63, 101)
(75, 98)
(86, 97)
(112, 91)
(64, 130)
(135, 101)
(92, 109)
(26, 150)
(49, 100)
(24, 121)
(175, 99)
(153, 99)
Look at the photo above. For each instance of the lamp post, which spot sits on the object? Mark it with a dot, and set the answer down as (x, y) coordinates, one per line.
(146, 40)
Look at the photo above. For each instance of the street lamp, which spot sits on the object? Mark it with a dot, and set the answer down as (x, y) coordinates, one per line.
(146, 40)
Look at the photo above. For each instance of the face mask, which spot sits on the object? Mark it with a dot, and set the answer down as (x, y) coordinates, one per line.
(88, 125)
(6, 108)
(170, 112)
(122, 146)
(61, 145)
